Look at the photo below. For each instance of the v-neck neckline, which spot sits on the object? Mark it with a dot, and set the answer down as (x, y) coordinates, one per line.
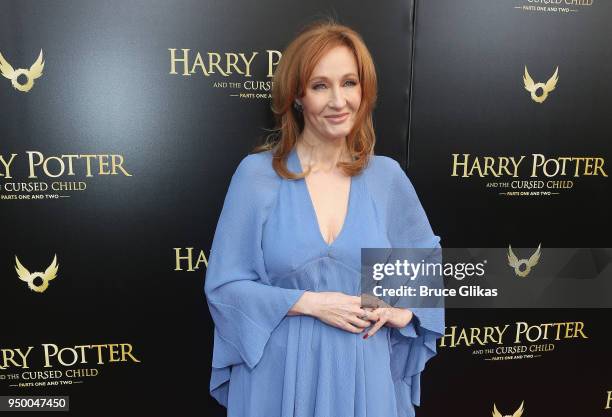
(313, 211)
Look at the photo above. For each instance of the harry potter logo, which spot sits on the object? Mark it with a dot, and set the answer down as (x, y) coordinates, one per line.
(524, 333)
(533, 88)
(33, 279)
(215, 63)
(522, 267)
(517, 413)
(31, 74)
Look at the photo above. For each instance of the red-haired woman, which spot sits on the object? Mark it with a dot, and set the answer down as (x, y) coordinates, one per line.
(283, 279)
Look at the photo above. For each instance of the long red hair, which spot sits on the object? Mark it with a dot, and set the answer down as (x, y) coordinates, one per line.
(289, 81)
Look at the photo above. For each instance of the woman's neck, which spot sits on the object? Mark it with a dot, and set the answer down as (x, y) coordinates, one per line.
(319, 154)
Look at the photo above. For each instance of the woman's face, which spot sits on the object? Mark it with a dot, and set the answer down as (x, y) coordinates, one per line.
(332, 96)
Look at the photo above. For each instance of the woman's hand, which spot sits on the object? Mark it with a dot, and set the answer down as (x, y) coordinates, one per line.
(387, 316)
(334, 308)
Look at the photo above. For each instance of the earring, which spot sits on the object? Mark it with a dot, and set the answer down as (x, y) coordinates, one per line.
(298, 106)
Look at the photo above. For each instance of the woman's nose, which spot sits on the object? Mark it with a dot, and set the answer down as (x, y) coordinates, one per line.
(337, 99)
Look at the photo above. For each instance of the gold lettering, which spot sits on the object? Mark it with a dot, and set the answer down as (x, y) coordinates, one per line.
(103, 159)
(232, 61)
(70, 158)
(178, 259)
(450, 335)
(113, 352)
(272, 64)
(599, 166)
(214, 63)
(126, 350)
(475, 166)
(503, 165)
(117, 162)
(88, 159)
(516, 164)
(576, 174)
(7, 165)
(536, 157)
(199, 63)
(201, 258)
(24, 356)
(579, 327)
(456, 163)
(31, 163)
(500, 334)
(489, 165)
(174, 60)
(8, 355)
(248, 63)
(99, 347)
(46, 347)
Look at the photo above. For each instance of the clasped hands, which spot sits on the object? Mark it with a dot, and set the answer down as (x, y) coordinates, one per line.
(345, 312)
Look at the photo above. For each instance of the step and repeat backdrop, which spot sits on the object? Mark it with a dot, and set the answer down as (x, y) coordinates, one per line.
(509, 147)
(123, 121)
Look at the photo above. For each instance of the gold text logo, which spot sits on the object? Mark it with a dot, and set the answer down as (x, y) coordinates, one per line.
(215, 63)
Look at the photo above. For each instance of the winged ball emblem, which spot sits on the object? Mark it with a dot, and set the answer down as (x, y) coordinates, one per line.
(522, 267)
(517, 413)
(35, 71)
(533, 87)
(26, 276)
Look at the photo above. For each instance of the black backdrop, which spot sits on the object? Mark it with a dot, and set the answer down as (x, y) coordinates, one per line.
(469, 97)
(122, 244)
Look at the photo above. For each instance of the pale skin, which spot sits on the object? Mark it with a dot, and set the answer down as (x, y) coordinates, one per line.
(334, 90)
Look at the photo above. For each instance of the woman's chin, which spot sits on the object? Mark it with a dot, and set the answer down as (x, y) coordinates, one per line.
(337, 134)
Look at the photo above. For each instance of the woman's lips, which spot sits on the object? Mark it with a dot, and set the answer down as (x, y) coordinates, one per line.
(337, 118)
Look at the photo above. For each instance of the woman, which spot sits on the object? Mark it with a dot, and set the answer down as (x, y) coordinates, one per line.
(283, 279)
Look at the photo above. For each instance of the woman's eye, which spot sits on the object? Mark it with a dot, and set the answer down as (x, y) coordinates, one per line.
(350, 83)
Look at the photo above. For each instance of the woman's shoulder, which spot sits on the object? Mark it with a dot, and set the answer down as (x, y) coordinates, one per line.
(256, 164)
(383, 168)
(255, 179)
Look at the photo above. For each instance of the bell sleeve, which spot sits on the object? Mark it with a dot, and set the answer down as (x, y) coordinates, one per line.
(412, 346)
(245, 308)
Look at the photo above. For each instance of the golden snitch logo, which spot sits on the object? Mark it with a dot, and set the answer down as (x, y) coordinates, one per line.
(31, 74)
(522, 267)
(517, 413)
(44, 278)
(532, 87)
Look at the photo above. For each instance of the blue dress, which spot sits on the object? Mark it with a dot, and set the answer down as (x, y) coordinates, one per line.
(267, 250)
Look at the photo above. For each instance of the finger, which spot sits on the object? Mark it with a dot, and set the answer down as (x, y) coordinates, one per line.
(359, 312)
(372, 316)
(356, 321)
(374, 328)
(350, 328)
